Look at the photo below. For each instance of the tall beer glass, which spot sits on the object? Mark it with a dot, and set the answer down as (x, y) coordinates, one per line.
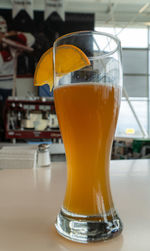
(87, 104)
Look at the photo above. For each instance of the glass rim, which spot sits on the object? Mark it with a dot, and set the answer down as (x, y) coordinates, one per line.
(86, 32)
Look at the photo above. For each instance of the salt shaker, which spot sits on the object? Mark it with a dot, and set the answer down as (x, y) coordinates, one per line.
(43, 157)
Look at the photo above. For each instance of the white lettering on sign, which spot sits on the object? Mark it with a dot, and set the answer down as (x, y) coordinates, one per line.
(54, 6)
(18, 5)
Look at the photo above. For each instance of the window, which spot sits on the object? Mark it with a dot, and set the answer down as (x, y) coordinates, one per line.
(127, 125)
(135, 58)
(129, 37)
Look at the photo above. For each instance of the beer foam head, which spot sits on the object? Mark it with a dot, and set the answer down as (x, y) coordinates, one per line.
(3, 25)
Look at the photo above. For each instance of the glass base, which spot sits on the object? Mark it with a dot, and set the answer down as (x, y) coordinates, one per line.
(86, 229)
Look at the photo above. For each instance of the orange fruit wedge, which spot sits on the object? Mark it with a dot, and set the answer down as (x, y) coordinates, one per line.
(68, 58)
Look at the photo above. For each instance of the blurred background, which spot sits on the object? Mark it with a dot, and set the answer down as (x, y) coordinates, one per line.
(27, 113)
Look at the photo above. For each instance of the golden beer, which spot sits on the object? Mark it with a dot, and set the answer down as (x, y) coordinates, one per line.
(87, 115)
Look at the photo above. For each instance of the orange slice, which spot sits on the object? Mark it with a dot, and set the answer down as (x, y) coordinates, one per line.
(68, 58)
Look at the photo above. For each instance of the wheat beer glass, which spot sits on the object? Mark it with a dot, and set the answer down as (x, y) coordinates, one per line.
(87, 103)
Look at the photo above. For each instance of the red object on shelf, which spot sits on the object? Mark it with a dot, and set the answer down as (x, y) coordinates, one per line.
(17, 109)
(30, 134)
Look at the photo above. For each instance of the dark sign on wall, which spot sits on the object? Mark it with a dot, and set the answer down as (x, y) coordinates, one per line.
(42, 33)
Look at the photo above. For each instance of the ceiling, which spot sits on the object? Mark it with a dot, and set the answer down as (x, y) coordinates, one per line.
(107, 12)
(115, 12)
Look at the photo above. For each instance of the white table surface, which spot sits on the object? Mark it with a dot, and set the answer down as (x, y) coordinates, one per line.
(31, 198)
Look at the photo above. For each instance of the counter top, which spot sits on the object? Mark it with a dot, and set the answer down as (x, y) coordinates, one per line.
(31, 198)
